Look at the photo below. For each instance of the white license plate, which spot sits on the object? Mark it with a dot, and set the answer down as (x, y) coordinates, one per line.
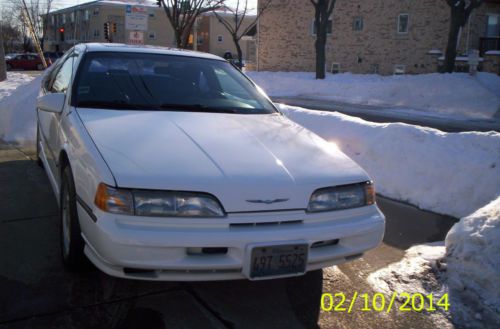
(278, 260)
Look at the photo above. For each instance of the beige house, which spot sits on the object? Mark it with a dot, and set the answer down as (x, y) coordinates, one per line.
(376, 36)
(135, 24)
(214, 38)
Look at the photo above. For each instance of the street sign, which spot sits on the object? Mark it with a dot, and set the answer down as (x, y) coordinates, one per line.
(136, 38)
(136, 18)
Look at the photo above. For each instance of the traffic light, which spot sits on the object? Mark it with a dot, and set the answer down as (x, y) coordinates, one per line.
(114, 28)
(106, 31)
(61, 30)
(158, 3)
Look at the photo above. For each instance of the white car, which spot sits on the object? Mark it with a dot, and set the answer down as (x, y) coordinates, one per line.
(173, 165)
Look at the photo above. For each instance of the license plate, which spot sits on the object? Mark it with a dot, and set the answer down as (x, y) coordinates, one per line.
(278, 260)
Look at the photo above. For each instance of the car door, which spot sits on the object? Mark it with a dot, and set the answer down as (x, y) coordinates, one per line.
(58, 81)
(17, 61)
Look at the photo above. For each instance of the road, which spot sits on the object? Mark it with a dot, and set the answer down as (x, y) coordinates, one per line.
(393, 114)
(37, 292)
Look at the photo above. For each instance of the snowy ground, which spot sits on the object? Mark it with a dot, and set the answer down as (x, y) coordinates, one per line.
(17, 108)
(458, 95)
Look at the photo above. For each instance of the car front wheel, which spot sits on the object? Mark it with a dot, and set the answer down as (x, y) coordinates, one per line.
(37, 157)
(72, 243)
(39, 67)
(8, 67)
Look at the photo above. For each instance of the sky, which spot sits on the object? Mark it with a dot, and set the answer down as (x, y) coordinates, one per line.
(59, 4)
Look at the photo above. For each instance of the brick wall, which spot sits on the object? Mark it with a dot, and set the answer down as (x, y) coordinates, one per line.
(286, 42)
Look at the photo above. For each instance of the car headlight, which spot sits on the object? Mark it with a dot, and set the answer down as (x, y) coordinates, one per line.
(157, 203)
(342, 197)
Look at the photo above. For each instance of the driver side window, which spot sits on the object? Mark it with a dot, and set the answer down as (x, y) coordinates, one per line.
(62, 79)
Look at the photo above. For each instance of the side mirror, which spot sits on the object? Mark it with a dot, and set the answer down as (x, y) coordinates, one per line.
(51, 102)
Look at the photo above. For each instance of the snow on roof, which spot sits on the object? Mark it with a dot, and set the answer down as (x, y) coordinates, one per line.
(144, 3)
(493, 52)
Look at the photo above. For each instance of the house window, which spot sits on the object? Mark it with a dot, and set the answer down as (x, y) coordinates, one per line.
(96, 33)
(493, 26)
(52, 20)
(96, 11)
(329, 27)
(72, 17)
(399, 69)
(375, 68)
(64, 18)
(357, 24)
(403, 23)
(87, 14)
(151, 14)
(335, 68)
(220, 39)
(152, 35)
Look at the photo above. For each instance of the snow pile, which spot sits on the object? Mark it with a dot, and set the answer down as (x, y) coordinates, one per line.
(447, 173)
(421, 271)
(456, 94)
(13, 81)
(468, 269)
(17, 112)
(473, 257)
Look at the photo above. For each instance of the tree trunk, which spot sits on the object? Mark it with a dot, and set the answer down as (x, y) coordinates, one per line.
(240, 52)
(451, 48)
(320, 46)
(3, 69)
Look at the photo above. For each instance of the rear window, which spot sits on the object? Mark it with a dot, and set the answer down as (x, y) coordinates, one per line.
(165, 82)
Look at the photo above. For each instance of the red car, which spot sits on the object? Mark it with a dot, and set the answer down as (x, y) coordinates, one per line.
(26, 62)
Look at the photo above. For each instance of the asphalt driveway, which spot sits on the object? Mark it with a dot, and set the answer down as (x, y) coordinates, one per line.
(37, 292)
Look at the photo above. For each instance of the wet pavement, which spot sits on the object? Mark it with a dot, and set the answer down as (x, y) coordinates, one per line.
(37, 292)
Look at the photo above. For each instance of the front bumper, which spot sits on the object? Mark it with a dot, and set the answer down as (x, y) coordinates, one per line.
(170, 248)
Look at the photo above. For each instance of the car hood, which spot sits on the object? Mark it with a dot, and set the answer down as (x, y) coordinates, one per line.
(234, 157)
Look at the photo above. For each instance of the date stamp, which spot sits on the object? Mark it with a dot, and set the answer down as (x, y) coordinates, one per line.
(379, 302)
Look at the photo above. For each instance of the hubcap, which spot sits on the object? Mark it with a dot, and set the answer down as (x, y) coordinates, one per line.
(65, 223)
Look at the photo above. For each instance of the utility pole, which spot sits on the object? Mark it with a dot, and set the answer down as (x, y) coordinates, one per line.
(3, 66)
(36, 41)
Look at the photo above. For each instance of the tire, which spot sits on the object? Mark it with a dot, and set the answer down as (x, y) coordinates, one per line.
(8, 67)
(72, 243)
(37, 156)
(39, 67)
(304, 294)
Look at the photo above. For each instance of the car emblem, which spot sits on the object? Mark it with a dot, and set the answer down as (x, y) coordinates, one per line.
(267, 201)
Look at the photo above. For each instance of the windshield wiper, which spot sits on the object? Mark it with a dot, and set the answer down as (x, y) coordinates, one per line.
(119, 105)
(196, 108)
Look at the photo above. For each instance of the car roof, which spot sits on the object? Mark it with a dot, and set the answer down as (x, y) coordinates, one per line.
(146, 49)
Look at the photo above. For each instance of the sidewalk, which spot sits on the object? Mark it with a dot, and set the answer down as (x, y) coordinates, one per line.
(393, 114)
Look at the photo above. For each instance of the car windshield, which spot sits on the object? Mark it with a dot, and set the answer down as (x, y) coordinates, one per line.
(165, 82)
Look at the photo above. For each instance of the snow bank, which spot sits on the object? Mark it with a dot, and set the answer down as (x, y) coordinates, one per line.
(14, 80)
(456, 94)
(473, 257)
(17, 110)
(420, 271)
(447, 173)
(467, 267)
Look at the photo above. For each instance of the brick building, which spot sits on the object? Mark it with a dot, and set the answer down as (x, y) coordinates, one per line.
(374, 36)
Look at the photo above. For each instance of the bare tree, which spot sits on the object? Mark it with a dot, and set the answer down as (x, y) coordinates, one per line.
(460, 13)
(182, 15)
(323, 9)
(234, 22)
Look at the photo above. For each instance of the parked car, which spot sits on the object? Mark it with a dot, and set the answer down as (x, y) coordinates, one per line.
(173, 165)
(26, 62)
